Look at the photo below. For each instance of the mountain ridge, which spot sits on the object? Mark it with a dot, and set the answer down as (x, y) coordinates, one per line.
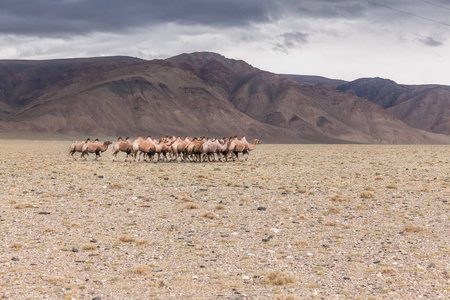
(200, 93)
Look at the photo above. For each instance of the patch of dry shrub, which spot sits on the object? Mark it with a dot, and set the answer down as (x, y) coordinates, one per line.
(141, 270)
(414, 229)
(339, 198)
(89, 247)
(126, 239)
(116, 186)
(209, 215)
(367, 195)
(141, 243)
(278, 278)
(191, 206)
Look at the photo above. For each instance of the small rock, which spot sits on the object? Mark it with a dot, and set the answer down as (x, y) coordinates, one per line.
(262, 208)
(75, 249)
(346, 278)
(15, 259)
(268, 238)
(431, 266)
(100, 176)
(93, 241)
(97, 298)
(166, 178)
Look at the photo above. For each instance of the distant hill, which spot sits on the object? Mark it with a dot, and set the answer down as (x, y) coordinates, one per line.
(190, 94)
(425, 107)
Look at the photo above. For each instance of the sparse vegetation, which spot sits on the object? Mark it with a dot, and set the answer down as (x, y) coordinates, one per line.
(279, 278)
(286, 226)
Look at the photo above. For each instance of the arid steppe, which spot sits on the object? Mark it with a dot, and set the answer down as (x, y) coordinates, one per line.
(292, 222)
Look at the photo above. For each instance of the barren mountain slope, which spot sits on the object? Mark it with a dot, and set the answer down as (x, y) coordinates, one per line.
(190, 94)
(149, 97)
(305, 108)
(423, 107)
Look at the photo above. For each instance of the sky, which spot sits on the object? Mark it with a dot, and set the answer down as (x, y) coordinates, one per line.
(407, 41)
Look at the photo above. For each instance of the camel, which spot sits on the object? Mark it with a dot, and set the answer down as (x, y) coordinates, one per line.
(77, 146)
(94, 147)
(124, 146)
(162, 147)
(242, 146)
(210, 148)
(145, 146)
(178, 147)
(193, 149)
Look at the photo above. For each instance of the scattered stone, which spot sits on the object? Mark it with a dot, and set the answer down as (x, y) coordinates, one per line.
(262, 208)
(44, 213)
(268, 238)
(75, 250)
(15, 259)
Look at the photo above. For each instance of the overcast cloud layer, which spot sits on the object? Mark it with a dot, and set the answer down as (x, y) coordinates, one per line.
(403, 40)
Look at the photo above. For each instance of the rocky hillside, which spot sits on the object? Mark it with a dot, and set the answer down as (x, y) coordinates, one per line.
(425, 107)
(190, 94)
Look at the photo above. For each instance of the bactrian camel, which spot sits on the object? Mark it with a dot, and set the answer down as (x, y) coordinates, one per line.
(77, 146)
(94, 147)
(242, 146)
(123, 146)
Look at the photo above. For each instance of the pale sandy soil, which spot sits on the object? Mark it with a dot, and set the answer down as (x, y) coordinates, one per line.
(340, 221)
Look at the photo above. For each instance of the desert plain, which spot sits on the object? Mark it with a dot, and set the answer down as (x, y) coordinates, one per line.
(291, 222)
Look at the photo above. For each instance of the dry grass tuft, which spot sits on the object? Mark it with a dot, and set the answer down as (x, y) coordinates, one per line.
(126, 239)
(89, 247)
(219, 207)
(191, 206)
(300, 243)
(389, 271)
(116, 186)
(24, 205)
(186, 199)
(339, 198)
(414, 229)
(287, 297)
(330, 223)
(209, 215)
(333, 210)
(141, 243)
(367, 195)
(141, 270)
(391, 186)
(278, 278)
(15, 246)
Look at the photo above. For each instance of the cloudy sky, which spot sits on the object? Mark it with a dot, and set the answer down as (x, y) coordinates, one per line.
(407, 41)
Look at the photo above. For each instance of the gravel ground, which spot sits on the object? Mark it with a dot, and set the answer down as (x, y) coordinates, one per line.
(292, 222)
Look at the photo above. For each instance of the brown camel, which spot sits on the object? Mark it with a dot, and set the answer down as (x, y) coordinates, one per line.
(162, 147)
(123, 146)
(94, 147)
(193, 149)
(144, 146)
(242, 146)
(77, 146)
(178, 147)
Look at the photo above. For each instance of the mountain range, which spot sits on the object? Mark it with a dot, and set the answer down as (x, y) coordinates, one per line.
(207, 94)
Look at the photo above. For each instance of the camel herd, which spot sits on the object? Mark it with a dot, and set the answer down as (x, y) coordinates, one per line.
(170, 148)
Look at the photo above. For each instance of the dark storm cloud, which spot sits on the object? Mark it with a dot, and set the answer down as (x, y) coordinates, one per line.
(292, 40)
(429, 41)
(52, 17)
(67, 17)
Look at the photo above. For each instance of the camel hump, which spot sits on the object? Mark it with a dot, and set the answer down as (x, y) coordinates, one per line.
(119, 138)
